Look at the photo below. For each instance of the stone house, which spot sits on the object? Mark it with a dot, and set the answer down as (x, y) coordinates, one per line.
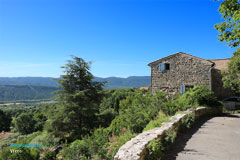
(178, 72)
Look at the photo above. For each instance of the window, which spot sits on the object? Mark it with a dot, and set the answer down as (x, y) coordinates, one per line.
(164, 66)
(188, 87)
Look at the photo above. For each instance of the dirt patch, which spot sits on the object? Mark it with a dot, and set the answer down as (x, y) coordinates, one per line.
(4, 135)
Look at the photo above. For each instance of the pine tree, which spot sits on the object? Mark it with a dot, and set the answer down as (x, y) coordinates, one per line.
(79, 99)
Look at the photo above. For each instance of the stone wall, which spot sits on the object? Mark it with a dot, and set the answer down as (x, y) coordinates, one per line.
(135, 149)
(184, 70)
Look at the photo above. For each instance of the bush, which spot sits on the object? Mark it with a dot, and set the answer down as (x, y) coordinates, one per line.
(89, 146)
(25, 154)
(25, 123)
(157, 147)
(157, 122)
(49, 155)
(5, 121)
(115, 142)
(187, 122)
(198, 96)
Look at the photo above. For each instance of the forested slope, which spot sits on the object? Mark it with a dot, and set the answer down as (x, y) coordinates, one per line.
(25, 92)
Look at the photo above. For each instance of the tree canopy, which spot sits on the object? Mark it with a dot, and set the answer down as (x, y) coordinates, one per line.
(229, 30)
(25, 123)
(5, 121)
(231, 76)
(79, 100)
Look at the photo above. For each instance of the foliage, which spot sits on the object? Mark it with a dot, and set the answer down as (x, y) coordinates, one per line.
(8, 154)
(25, 92)
(49, 155)
(109, 107)
(157, 122)
(198, 96)
(115, 142)
(25, 123)
(5, 121)
(157, 147)
(40, 119)
(170, 107)
(143, 106)
(187, 122)
(104, 142)
(12, 138)
(78, 149)
(79, 100)
(229, 30)
(231, 76)
(155, 150)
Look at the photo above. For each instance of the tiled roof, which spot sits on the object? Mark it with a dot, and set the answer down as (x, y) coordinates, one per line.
(220, 64)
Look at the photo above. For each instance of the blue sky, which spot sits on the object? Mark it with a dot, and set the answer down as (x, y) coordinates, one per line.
(120, 37)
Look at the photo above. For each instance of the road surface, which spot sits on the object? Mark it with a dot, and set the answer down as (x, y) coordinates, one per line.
(216, 138)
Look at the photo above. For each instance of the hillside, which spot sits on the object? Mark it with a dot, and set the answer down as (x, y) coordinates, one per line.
(25, 92)
(112, 82)
(35, 81)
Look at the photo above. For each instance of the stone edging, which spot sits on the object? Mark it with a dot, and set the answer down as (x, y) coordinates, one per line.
(135, 149)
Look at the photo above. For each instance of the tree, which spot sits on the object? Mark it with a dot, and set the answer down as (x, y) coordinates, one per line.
(231, 76)
(5, 121)
(25, 123)
(229, 30)
(78, 101)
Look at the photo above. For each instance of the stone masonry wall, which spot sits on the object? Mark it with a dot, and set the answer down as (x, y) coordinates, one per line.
(184, 70)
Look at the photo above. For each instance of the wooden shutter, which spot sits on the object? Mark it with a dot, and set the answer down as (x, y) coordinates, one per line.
(182, 89)
(162, 67)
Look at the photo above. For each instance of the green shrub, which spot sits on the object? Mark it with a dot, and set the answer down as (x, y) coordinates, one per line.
(115, 142)
(89, 146)
(75, 150)
(187, 122)
(49, 155)
(170, 107)
(25, 154)
(155, 150)
(157, 122)
(157, 147)
(25, 123)
(198, 96)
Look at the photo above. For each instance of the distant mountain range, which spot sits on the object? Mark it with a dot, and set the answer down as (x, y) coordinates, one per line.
(129, 82)
(33, 88)
(112, 82)
(34, 81)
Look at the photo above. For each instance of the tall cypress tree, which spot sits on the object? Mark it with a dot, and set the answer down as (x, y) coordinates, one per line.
(79, 99)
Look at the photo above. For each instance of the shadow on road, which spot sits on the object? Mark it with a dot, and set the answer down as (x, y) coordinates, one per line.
(231, 115)
(183, 138)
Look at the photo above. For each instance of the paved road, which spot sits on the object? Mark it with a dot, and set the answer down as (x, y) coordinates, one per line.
(215, 138)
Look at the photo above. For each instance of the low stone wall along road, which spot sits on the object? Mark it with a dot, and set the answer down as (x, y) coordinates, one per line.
(216, 138)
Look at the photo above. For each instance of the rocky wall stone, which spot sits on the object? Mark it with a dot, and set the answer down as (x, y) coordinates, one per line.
(184, 70)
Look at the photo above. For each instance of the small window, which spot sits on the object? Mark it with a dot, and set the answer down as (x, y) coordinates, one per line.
(188, 87)
(167, 66)
(164, 66)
